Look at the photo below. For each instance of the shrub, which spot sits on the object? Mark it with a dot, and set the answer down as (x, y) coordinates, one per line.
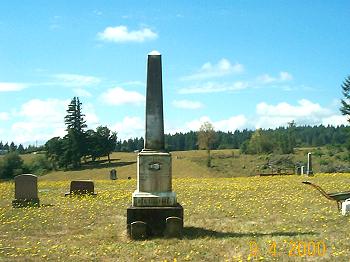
(40, 165)
(11, 165)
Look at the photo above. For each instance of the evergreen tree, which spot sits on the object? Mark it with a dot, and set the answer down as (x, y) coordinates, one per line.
(20, 149)
(75, 140)
(6, 147)
(13, 147)
(345, 107)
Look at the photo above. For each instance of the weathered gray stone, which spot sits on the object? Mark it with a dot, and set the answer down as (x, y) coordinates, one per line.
(154, 138)
(81, 187)
(113, 174)
(309, 171)
(174, 227)
(138, 230)
(154, 174)
(26, 191)
(153, 200)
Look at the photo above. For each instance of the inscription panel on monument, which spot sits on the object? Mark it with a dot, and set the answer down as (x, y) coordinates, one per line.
(154, 172)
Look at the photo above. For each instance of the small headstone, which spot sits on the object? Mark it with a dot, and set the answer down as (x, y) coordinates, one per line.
(298, 170)
(345, 207)
(26, 191)
(138, 230)
(302, 172)
(309, 171)
(113, 174)
(81, 187)
(174, 227)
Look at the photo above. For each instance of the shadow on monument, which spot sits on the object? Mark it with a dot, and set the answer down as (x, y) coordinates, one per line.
(199, 232)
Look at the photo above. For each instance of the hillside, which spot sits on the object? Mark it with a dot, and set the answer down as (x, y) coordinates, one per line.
(225, 163)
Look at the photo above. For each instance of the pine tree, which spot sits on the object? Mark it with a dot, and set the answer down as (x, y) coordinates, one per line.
(345, 107)
(75, 140)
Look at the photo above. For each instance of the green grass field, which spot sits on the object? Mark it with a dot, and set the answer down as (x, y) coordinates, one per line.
(226, 217)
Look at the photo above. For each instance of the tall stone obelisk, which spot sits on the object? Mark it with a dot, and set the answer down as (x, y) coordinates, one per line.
(153, 201)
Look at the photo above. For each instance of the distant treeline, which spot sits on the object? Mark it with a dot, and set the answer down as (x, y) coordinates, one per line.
(302, 136)
(12, 147)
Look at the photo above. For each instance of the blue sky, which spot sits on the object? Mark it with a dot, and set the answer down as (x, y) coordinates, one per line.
(237, 64)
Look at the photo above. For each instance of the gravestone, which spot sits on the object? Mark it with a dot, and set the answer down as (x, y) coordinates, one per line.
(26, 191)
(138, 230)
(174, 227)
(309, 171)
(345, 210)
(302, 170)
(81, 187)
(154, 201)
(298, 170)
(113, 174)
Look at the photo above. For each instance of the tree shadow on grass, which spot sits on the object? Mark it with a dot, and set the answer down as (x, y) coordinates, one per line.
(199, 232)
(104, 164)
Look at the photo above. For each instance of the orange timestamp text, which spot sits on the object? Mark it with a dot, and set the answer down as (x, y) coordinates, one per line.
(290, 248)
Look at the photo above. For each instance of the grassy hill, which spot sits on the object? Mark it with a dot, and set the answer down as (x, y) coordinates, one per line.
(227, 218)
(225, 163)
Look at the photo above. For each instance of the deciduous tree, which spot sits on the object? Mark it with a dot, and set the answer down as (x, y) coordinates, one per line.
(206, 137)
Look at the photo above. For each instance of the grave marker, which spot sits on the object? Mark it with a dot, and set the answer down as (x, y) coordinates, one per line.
(26, 191)
(154, 201)
(81, 187)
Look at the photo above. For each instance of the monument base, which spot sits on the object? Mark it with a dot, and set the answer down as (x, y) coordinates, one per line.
(26, 202)
(154, 217)
(145, 199)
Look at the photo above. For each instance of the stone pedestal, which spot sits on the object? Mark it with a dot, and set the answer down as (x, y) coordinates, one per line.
(154, 187)
(154, 217)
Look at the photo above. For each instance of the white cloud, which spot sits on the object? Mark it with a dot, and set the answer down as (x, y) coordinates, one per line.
(47, 111)
(194, 125)
(9, 87)
(4, 116)
(231, 124)
(75, 80)
(130, 127)
(121, 34)
(44, 119)
(91, 118)
(304, 113)
(187, 104)
(82, 92)
(222, 68)
(335, 120)
(214, 87)
(267, 79)
(119, 96)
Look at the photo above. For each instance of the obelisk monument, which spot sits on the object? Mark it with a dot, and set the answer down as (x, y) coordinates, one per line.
(154, 201)
(309, 170)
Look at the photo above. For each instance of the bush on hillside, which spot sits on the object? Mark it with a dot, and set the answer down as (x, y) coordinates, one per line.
(40, 165)
(11, 165)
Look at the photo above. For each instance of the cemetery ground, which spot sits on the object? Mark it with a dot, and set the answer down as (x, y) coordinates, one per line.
(228, 215)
